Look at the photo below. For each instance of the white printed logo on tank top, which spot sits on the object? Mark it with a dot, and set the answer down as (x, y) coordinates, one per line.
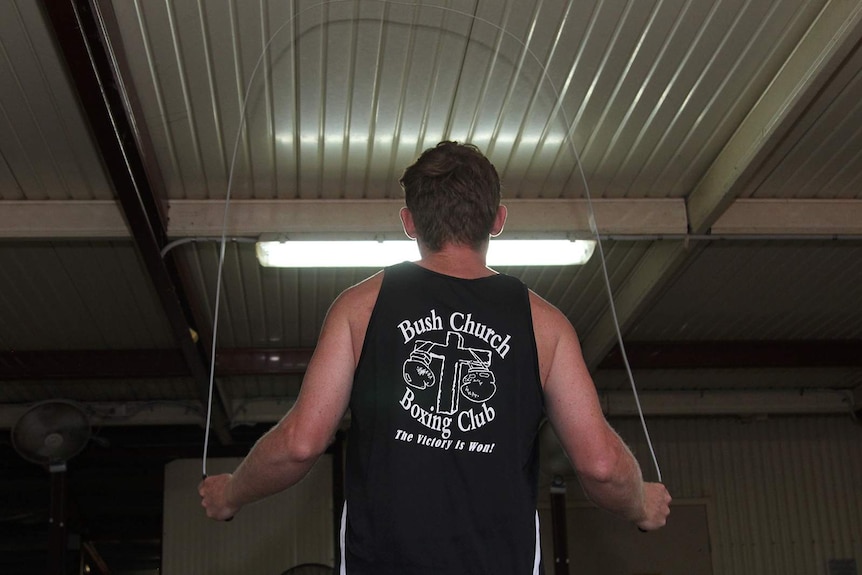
(450, 384)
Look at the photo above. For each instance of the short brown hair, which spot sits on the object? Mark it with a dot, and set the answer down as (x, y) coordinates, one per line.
(453, 193)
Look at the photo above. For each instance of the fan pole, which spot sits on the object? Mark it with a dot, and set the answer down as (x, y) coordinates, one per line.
(558, 522)
(57, 538)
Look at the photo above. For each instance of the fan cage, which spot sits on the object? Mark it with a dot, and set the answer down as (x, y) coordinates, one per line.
(51, 432)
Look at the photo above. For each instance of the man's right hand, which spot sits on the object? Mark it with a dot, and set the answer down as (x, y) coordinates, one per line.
(656, 507)
(214, 497)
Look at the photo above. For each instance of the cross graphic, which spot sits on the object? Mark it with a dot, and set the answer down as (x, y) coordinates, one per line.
(454, 358)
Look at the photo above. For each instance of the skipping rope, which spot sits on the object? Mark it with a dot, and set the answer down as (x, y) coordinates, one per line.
(568, 138)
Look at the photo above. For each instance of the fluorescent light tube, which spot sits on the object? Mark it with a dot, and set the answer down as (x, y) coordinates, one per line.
(371, 253)
(560, 252)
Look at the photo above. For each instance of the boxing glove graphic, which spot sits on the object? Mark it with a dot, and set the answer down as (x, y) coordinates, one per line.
(417, 371)
(478, 385)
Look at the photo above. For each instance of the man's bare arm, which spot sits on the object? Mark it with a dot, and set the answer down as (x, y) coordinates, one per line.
(609, 473)
(285, 454)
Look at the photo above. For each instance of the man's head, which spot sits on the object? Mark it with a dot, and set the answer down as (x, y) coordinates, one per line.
(453, 193)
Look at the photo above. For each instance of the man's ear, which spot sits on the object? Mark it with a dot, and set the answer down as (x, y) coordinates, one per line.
(499, 221)
(407, 223)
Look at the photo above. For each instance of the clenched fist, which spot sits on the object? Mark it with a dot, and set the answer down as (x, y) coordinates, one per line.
(656, 507)
(215, 497)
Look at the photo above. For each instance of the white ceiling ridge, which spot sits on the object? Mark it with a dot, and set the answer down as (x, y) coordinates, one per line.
(380, 217)
(790, 217)
(37, 219)
(835, 32)
(617, 219)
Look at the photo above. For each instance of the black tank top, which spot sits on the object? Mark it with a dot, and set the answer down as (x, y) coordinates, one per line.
(442, 456)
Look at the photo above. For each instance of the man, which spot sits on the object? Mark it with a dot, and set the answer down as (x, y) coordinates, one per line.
(448, 369)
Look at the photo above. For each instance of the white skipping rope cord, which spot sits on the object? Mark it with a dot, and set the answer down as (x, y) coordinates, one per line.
(559, 107)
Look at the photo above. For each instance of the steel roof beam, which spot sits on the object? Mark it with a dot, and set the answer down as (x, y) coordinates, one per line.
(658, 265)
(91, 61)
(737, 355)
(825, 46)
(810, 67)
(67, 365)
(71, 219)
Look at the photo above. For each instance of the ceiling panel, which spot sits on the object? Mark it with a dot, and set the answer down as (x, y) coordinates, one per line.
(341, 96)
(46, 152)
(263, 307)
(775, 290)
(822, 157)
(66, 295)
(711, 63)
(691, 103)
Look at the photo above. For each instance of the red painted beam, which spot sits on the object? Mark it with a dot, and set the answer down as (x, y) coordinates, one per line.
(132, 364)
(135, 364)
(737, 355)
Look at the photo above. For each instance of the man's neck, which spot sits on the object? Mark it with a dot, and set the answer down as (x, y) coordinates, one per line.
(457, 261)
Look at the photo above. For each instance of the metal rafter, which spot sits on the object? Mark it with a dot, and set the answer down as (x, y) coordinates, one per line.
(829, 40)
(230, 362)
(135, 364)
(810, 67)
(91, 61)
(656, 268)
(738, 355)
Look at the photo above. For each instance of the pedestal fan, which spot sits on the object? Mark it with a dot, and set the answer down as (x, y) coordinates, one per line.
(49, 434)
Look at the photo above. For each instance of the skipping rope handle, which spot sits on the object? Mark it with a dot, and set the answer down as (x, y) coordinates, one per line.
(229, 518)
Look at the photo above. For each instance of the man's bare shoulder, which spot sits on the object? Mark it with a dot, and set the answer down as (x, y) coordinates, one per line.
(553, 333)
(356, 303)
(350, 313)
(546, 317)
(362, 293)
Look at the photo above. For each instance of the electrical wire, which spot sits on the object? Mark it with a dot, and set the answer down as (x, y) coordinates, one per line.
(569, 138)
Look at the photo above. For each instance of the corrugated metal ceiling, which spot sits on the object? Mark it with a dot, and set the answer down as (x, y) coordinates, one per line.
(63, 295)
(342, 95)
(699, 124)
(776, 291)
(46, 148)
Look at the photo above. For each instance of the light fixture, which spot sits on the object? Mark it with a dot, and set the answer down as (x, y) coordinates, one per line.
(372, 253)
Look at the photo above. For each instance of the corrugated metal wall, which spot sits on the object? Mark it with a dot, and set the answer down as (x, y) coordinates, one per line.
(265, 538)
(784, 494)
